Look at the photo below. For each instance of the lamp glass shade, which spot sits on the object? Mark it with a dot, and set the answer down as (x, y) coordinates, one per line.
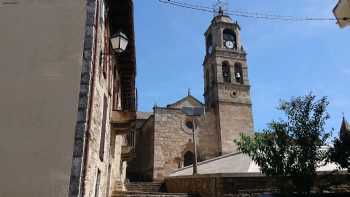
(119, 42)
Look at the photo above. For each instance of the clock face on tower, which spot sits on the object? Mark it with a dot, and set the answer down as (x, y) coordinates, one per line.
(229, 37)
(229, 44)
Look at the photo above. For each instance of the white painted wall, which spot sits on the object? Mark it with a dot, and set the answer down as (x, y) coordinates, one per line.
(41, 45)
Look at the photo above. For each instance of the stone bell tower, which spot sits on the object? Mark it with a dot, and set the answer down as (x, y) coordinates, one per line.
(227, 88)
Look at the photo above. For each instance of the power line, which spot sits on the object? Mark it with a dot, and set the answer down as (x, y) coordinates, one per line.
(187, 5)
(245, 14)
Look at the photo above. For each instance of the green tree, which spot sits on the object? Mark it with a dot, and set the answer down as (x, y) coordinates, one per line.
(340, 152)
(290, 149)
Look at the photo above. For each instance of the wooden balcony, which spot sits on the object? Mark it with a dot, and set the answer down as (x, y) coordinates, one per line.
(122, 122)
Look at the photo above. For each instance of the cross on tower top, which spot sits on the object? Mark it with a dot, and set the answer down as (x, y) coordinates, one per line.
(220, 6)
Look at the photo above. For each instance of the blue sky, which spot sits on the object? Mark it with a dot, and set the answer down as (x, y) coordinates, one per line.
(285, 59)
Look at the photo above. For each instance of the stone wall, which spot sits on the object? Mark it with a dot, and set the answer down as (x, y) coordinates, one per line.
(148, 149)
(94, 163)
(235, 118)
(96, 92)
(117, 173)
(141, 167)
(234, 109)
(219, 185)
(208, 140)
(172, 140)
(247, 184)
(204, 186)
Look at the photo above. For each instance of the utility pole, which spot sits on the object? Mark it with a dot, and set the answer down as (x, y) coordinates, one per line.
(194, 112)
(194, 146)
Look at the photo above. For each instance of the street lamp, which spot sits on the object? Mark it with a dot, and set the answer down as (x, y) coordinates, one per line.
(342, 13)
(193, 112)
(119, 42)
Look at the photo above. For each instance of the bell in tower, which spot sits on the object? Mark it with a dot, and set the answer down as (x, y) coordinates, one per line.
(227, 88)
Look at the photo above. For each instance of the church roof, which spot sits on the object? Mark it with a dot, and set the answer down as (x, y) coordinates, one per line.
(230, 163)
(234, 163)
(188, 101)
(143, 115)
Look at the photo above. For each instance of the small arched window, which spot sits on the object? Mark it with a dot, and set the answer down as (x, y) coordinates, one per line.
(226, 73)
(230, 40)
(239, 73)
(209, 43)
(188, 158)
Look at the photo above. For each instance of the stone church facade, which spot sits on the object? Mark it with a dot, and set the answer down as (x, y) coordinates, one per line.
(163, 141)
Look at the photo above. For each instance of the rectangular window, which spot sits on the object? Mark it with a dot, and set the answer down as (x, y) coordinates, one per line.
(97, 184)
(103, 128)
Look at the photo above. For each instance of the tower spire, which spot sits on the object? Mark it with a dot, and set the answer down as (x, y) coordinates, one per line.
(345, 123)
(345, 127)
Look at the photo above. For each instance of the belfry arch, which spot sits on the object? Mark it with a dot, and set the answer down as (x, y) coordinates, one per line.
(226, 72)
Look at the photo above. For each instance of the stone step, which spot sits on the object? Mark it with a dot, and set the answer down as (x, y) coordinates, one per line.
(144, 186)
(147, 194)
(118, 186)
(145, 183)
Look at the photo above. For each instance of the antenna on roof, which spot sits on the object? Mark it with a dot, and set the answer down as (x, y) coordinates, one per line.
(189, 92)
(220, 7)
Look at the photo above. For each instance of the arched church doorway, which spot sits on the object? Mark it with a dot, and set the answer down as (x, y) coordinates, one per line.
(188, 158)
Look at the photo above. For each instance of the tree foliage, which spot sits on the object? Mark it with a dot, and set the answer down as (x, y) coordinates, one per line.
(291, 147)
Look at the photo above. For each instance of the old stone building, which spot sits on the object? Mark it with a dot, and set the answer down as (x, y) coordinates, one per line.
(164, 140)
(107, 100)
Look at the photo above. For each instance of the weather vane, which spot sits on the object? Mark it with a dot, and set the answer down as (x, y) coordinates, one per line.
(220, 6)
